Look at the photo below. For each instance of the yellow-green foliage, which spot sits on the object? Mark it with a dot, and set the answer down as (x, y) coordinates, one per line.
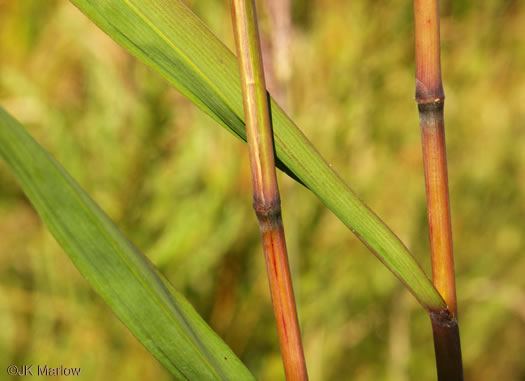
(179, 187)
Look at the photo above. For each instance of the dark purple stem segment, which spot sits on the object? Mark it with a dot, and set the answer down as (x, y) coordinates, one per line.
(447, 346)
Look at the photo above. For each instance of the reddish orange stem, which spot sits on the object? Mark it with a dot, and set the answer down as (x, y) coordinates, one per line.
(436, 181)
(431, 99)
(266, 199)
(429, 87)
(282, 295)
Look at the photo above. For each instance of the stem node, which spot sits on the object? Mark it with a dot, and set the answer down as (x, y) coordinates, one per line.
(266, 199)
(431, 99)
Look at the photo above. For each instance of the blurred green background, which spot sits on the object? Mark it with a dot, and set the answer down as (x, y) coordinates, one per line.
(179, 187)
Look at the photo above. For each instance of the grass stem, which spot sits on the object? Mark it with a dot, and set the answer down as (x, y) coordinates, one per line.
(266, 199)
(431, 98)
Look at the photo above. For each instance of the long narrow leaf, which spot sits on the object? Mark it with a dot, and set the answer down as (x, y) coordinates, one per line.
(140, 296)
(168, 37)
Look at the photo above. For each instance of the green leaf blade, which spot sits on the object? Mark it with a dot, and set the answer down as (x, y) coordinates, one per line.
(140, 296)
(168, 37)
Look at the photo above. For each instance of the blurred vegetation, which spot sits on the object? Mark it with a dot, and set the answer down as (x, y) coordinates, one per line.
(179, 187)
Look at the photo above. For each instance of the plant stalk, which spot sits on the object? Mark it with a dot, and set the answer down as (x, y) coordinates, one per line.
(266, 199)
(447, 346)
(431, 98)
